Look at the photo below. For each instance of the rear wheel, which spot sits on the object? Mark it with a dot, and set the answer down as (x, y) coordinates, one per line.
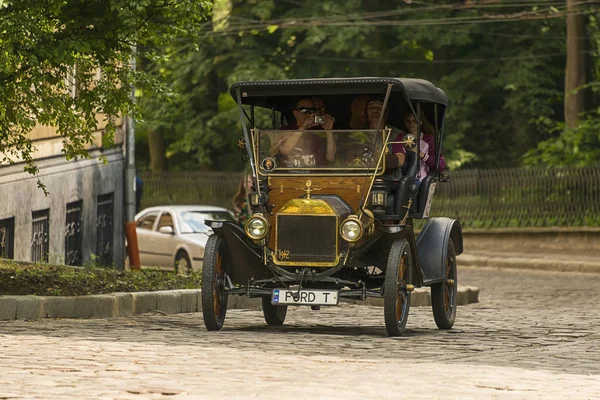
(397, 287)
(274, 315)
(183, 265)
(214, 298)
(443, 294)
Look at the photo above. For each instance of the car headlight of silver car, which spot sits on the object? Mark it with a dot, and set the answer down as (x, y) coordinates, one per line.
(351, 229)
(257, 227)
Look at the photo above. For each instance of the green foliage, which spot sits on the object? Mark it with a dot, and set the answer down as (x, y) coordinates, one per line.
(503, 79)
(501, 64)
(579, 146)
(63, 62)
(49, 280)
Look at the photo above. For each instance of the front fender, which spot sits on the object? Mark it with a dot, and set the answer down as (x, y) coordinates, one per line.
(432, 247)
(244, 259)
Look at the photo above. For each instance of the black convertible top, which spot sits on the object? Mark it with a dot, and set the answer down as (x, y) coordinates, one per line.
(261, 93)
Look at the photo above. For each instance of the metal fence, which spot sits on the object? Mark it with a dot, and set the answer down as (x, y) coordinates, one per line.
(516, 197)
(104, 229)
(7, 237)
(495, 198)
(40, 236)
(209, 188)
(73, 234)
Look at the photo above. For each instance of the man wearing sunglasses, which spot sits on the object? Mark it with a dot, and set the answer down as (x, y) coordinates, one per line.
(308, 117)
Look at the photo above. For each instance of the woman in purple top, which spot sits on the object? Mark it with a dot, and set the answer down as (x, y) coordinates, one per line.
(427, 145)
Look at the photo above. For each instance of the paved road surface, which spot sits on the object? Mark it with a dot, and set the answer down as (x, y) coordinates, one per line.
(533, 335)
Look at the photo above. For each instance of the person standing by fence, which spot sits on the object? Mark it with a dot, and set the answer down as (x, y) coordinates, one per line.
(241, 208)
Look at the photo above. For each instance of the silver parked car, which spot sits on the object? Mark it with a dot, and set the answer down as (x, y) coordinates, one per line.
(173, 237)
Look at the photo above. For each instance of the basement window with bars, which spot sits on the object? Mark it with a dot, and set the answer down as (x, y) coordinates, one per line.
(73, 233)
(40, 236)
(7, 238)
(104, 229)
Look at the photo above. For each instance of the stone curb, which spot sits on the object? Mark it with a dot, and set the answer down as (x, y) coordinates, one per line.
(525, 263)
(164, 302)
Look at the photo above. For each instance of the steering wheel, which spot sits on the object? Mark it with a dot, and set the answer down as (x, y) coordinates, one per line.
(358, 152)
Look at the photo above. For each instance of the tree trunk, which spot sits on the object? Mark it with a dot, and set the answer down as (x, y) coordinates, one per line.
(156, 146)
(575, 71)
(375, 40)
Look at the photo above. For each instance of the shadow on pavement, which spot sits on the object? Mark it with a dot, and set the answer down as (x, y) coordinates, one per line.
(328, 330)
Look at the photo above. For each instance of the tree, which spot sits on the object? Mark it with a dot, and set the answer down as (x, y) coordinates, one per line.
(576, 141)
(501, 63)
(63, 62)
(575, 70)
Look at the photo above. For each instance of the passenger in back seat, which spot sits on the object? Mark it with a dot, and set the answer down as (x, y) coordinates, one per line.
(427, 144)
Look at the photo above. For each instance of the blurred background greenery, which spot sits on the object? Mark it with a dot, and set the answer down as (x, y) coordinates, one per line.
(502, 64)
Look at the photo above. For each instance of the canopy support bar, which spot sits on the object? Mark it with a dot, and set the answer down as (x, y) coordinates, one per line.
(385, 102)
(247, 139)
(365, 195)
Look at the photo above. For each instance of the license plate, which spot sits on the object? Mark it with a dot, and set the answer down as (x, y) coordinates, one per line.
(309, 297)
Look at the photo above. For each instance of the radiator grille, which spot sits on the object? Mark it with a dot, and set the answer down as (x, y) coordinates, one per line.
(304, 238)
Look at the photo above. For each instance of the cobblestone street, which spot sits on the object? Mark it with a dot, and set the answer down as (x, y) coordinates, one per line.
(533, 335)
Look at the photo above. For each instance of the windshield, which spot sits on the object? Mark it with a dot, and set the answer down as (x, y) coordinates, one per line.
(193, 221)
(314, 150)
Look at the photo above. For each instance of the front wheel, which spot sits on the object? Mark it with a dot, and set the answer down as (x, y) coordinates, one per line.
(274, 315)
(214, 298)
(397, 287)
(443, 294)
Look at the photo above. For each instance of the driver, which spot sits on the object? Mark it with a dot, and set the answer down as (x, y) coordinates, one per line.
(301, 148)
(396, 158)
(358, 119)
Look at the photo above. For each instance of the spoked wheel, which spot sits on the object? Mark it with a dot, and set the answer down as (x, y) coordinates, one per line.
(214, 298)
(274, 315)
(443, 294)
(397, 287)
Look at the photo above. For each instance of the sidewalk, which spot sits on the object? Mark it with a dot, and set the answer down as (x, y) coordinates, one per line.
(563, 261)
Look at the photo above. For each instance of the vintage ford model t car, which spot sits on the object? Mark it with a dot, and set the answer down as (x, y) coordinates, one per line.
(331, 218)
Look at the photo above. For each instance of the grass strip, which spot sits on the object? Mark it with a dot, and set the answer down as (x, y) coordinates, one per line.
(60, 280)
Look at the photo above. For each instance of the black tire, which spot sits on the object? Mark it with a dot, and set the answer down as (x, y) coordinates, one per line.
(183, 264)
(443, 294)
(274, 315)
(396, 297)
(214, 298)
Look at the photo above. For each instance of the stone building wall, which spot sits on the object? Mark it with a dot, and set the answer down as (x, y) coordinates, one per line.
(88, 234)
